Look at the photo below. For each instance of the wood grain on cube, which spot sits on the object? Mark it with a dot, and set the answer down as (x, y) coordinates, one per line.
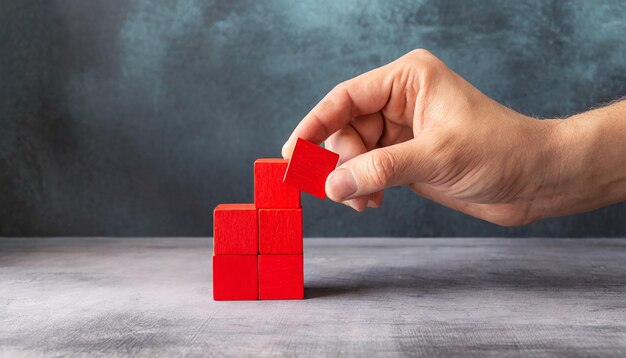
(309, 167)
(235, 277)
(235, 229)
(269, 190)
(281, 277)
(280, 231)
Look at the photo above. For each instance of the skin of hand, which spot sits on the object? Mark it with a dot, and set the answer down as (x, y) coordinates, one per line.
(415, 122)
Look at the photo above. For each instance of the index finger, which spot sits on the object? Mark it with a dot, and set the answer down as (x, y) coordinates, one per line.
(365, 94)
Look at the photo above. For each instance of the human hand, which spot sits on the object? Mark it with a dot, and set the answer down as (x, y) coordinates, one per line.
(415, 122)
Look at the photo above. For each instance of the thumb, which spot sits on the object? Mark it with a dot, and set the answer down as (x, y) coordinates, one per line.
(374, 171)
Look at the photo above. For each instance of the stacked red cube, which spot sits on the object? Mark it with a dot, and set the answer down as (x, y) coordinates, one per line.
(257, 248)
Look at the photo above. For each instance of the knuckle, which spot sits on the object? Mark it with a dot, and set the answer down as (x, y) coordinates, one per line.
(420, 53)
(340, 88)
(425, 65)
(381, 168)
(334, 96)
(340, 95)
(422, 57)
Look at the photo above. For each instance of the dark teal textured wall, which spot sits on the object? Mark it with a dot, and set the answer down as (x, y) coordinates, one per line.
(137, 117)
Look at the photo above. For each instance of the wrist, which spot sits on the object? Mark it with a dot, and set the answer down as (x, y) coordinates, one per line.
(584, 165)
(547, 167)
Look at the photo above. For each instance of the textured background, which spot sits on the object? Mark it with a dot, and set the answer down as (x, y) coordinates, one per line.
(137, 117)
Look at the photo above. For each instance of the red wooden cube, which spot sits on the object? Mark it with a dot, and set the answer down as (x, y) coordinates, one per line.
(269, 190)
(235, 277)
(309, 167)
(280, 231)
(281, 277)
(235, 230)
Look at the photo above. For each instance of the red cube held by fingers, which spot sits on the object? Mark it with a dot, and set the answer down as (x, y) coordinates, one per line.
(280, 231)
(281, 277)
(309, 167)
(269, 190)
(235, 277)
(235, 230)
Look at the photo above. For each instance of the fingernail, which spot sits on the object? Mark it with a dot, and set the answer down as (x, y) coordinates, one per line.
(371, 203)
(351, 204)
(341, 184)
(283, 150)
(361, 204)
(358, 204)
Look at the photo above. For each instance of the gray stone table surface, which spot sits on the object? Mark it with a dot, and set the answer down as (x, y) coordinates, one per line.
(396, 297)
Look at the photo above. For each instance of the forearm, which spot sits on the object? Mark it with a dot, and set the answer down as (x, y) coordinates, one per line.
(587, 163)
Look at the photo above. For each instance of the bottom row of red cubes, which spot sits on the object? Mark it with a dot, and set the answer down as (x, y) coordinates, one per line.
(253, 277)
